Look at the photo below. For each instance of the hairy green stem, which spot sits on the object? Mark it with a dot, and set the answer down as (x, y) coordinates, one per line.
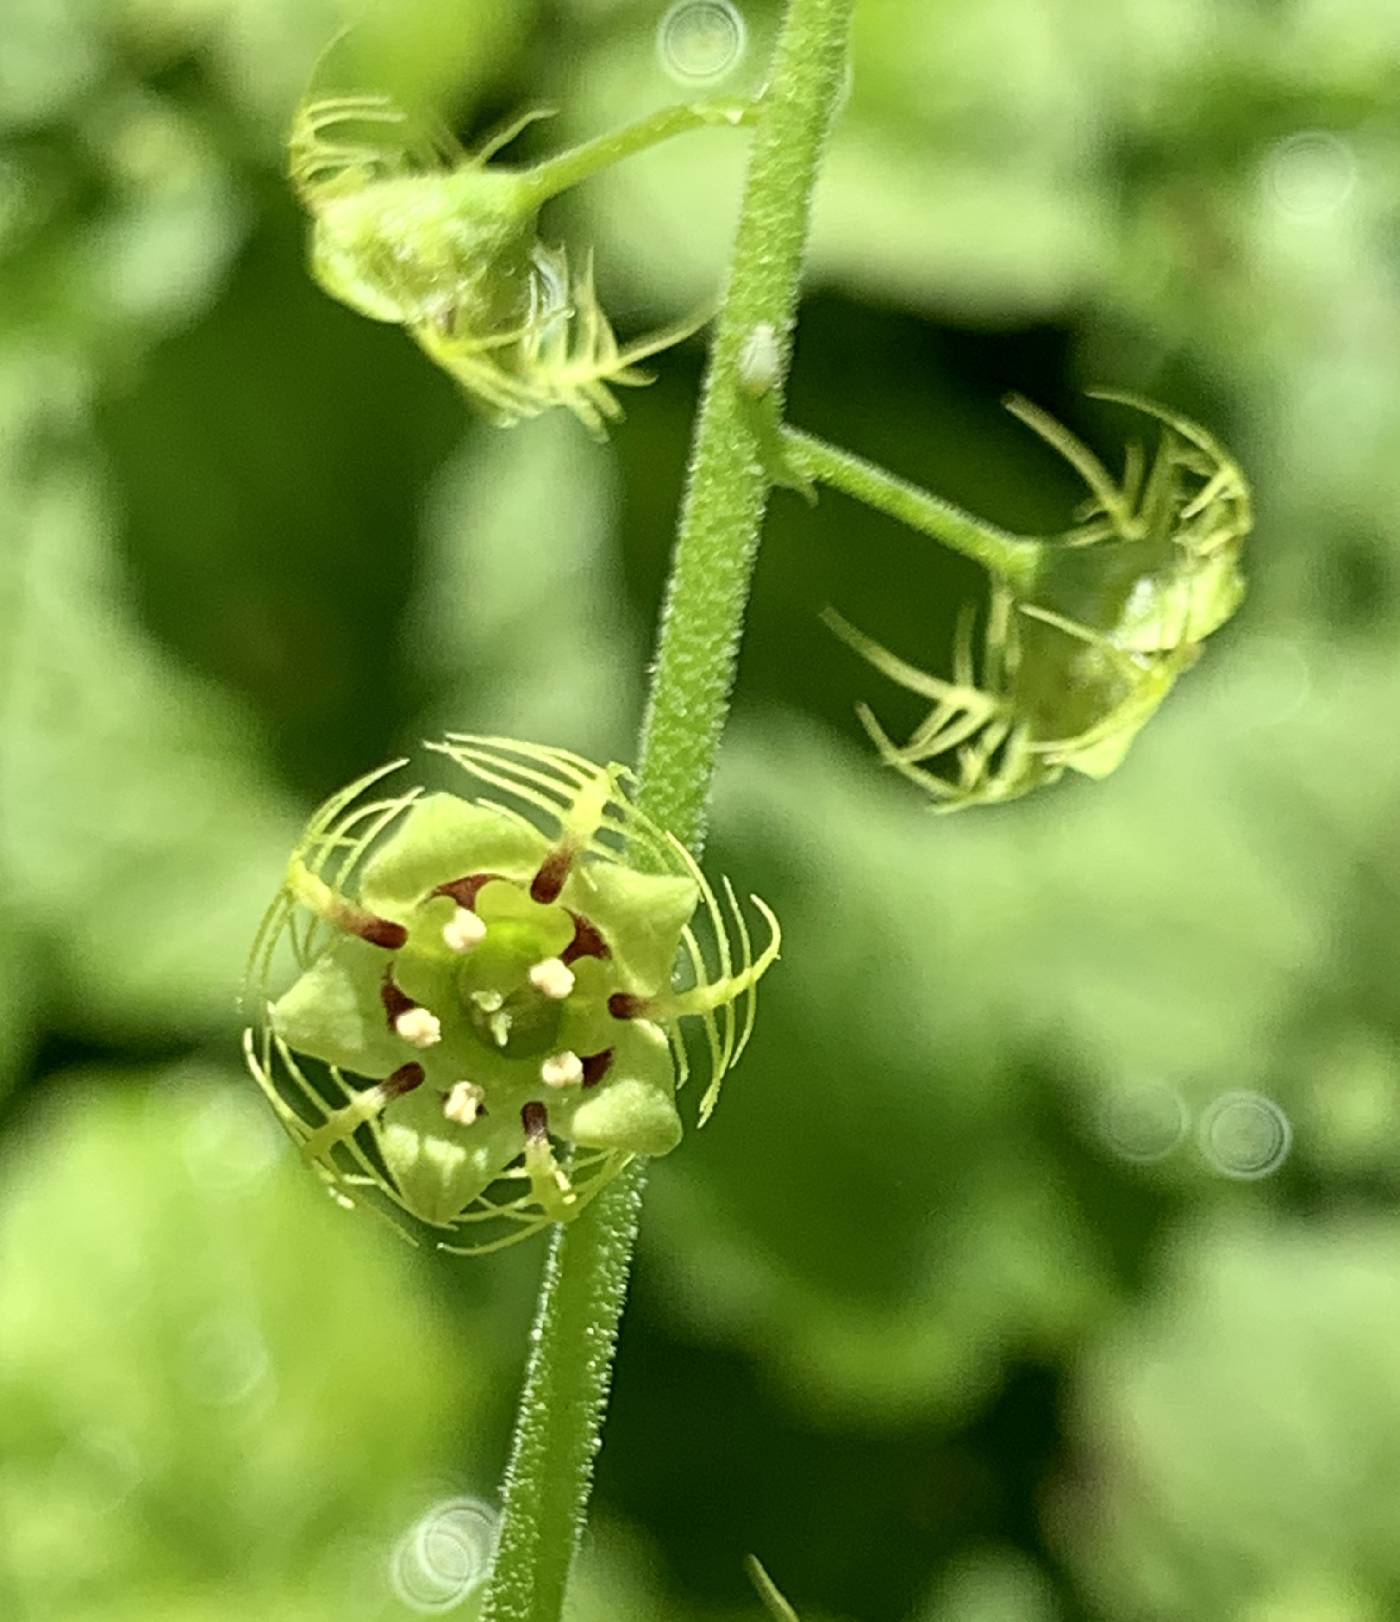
(1012, 558)
(549, 177)
(559, 1425)
(730, 478)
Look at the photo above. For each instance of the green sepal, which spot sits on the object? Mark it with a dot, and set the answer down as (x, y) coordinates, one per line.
(641, 916)
(587, 1025)
(633, 1108)
(439, 1166)
(444, 838)
(334, 1012)
(1141, 596)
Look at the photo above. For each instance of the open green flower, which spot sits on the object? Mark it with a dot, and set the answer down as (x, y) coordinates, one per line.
(409, 228)
(479, 989)
(1087, 632)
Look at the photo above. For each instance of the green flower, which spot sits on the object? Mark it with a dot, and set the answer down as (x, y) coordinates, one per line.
(1083, 643)
(478, 989)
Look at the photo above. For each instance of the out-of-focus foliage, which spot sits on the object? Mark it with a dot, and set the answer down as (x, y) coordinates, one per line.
(1242, 1429)
(920, 1319)
(172, 1437)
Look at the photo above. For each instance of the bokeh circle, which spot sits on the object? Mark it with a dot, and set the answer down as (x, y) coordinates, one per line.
(1245, 1135)
(1143, 1121)
(699, 41)
(1311, 175)
(444, 1555)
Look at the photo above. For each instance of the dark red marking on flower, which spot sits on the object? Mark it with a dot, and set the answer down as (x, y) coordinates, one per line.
(395, 1001)
(587, 942)
(464, 891)
(554, 869)
(534, 1117)
(404, 1080)
(623, 1005)
(377, 931)
(595, 1067)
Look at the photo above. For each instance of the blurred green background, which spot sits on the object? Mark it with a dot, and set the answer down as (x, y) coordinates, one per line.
(938, 1316)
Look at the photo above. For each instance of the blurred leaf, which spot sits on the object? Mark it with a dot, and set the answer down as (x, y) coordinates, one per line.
(48, 56)
(173, 1432)
(520, 625)
(1238, 1435)
(434, 54)
(871, 1207)
(993, 1585)
(157, 253)
(21, 994)
(132, 803)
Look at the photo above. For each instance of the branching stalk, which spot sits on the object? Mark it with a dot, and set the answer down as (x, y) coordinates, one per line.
(1012, 558)
(553, 175)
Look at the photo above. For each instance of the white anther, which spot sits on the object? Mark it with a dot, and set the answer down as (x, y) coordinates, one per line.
(463, 930)
(554, 978)
(562, 1069)
(419, 1028)
(463, 1103)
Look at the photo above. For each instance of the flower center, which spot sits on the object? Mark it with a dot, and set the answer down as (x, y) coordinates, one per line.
(519, 1024)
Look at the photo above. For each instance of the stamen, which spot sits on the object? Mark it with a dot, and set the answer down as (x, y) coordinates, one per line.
(416, 1025)
(552, 978)
(562, 1069)
(313, 891)
(548, 1179)
(465, 1103)
(404, 1080)
(587, 942)
(377, 931)
(534, 1117)
(549, 881)
(340, 1125)
(623, 1005)
(596, 1066)
(464, 930)
(419, 1028)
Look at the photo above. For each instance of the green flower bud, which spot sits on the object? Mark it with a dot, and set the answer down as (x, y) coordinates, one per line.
(480, 988)
(407, 227)
(450, 253)
(1081, 648)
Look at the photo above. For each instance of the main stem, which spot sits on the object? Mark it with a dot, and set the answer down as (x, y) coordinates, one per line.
(560, 1419)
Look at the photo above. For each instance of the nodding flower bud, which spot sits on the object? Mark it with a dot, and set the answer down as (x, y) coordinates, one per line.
(543, 1023)
(408, 227)
(1080, 648)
